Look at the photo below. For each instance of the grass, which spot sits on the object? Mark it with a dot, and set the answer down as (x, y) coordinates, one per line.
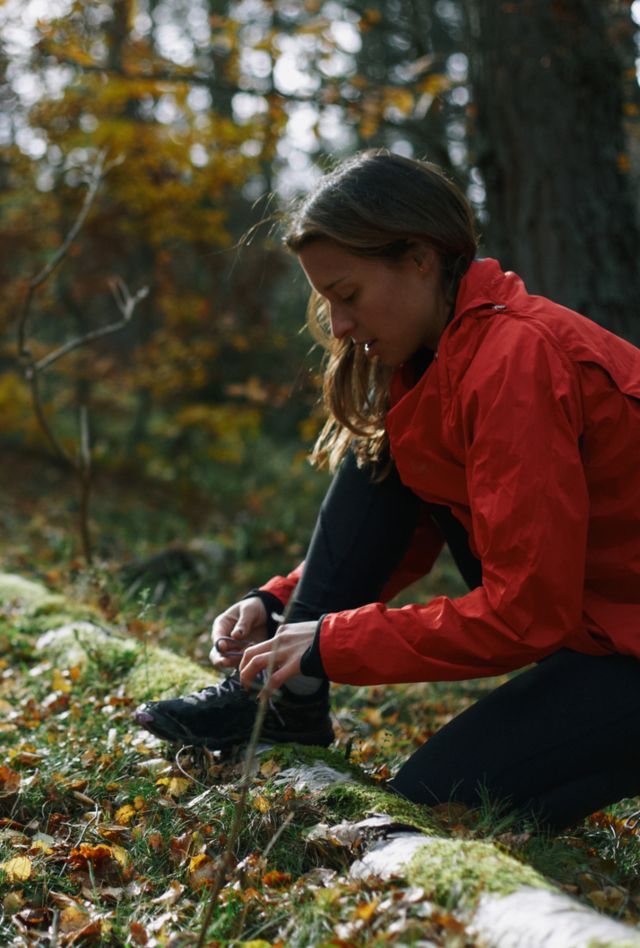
(77, 775)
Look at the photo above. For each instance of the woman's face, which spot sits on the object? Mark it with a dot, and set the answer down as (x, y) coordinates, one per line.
(391, 308)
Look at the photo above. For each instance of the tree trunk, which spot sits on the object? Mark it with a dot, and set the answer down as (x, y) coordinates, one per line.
(550, 144)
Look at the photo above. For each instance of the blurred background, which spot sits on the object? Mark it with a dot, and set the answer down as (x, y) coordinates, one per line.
(158, 391)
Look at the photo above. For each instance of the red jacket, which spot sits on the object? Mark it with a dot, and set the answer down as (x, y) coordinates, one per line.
(527, 424)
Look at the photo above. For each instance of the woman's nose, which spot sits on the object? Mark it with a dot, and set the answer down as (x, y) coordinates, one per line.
(341, 323)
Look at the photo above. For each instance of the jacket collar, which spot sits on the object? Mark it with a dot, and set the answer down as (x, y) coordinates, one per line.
(486, 284)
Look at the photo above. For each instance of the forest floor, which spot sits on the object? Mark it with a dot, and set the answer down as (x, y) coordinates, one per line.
(105, 838)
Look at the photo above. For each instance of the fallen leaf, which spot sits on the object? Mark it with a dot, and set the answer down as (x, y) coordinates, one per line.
(608, 899)
(270, 768)
(155, 841)
(124, 814)
(18, 869)
(59, 682)
(138, 933)
(112, 831)
(274, 878)
(202, 871)
(9, 780)
(262, 804)
(73, 918)
(171, 895)
(13, 902)
(366, 910)
(176, 786)
(121, 855)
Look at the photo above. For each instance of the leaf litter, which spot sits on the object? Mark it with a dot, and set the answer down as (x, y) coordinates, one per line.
(105, 839)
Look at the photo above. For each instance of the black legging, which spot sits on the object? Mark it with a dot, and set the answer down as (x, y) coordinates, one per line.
(559, 740)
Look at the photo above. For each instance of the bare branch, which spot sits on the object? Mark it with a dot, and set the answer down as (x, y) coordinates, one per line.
(125, 303)
(85, 441)
(43, 421)
(96, 175)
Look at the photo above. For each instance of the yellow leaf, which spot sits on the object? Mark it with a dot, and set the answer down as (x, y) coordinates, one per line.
(366, 910)
(59, 682)
(178, 785)
(120, 855)
(125, 814)
(13, 902)
(262, 804)
(202, 871)
(73, 918)
(17, 869)
(269, 768)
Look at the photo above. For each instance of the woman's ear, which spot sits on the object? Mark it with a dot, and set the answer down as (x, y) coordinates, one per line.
(422, 254)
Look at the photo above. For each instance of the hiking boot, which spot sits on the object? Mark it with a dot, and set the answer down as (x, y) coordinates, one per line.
(223, 714)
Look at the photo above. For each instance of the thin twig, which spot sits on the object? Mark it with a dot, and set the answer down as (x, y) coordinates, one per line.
(95, 179)
(44, 423)
(125, 303)
(276, 836)
(245, 783)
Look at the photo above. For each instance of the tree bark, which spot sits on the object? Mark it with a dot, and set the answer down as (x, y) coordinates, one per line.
(550, 144)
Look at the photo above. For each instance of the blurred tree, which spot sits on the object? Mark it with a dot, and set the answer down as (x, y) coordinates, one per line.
(549, 140)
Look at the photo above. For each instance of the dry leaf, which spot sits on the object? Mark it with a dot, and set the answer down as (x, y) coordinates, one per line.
(269, 768)
(275, 878)
(138, 933)
(74, 918)
(59, 682)
(13, 902)
(608, 899)
(155, 841)
(18, 869)
(124, 814)
(262, 804)
(176, 786)
(9, 780)
(85, 853)
(171, 896)
(202, 870)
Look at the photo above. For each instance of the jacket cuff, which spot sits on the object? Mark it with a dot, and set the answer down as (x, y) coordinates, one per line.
(311, 661)
(272, 604)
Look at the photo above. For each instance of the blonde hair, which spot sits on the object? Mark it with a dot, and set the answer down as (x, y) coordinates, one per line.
(375, 204)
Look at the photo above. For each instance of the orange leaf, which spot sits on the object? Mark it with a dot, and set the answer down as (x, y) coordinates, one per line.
(9, 780)
(85, 854)
(138, 933)
(275, 878)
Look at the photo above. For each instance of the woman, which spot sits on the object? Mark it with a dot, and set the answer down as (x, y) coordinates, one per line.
(513, 429)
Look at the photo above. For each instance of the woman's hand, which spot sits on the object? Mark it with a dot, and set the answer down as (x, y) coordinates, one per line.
(242, 624)
(282, 654)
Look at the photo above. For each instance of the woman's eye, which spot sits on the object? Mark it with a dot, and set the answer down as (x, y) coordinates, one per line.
(350, 298)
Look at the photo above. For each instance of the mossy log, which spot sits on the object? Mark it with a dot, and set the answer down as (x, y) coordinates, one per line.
(504, 902)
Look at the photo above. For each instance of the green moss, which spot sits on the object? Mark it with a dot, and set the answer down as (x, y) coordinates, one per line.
(32, 597)
(295, 755)
(457, 872)
(353, 801)
(158, 673)
(79, 642)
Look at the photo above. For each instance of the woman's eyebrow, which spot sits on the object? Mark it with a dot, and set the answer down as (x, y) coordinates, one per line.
(330, 286)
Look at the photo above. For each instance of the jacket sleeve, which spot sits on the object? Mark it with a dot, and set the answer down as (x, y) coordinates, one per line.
(519, 423)
(283, 586)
